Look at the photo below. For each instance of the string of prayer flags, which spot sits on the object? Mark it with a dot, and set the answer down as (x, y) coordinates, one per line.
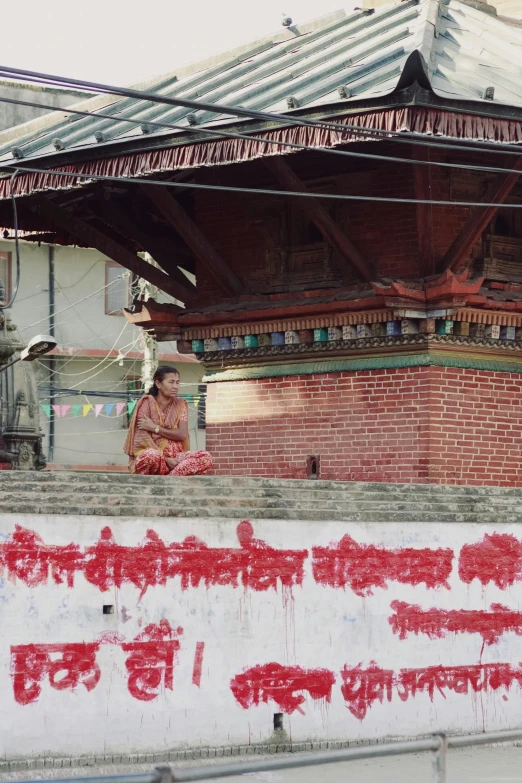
(113, 409)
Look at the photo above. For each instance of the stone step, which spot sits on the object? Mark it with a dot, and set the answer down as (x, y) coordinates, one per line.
(50, 500)
(73, 478)
(256, 487)
(125, 495)
(277, 512)
(194, 492)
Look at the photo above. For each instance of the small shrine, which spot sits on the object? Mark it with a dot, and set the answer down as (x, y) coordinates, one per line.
(349, 273)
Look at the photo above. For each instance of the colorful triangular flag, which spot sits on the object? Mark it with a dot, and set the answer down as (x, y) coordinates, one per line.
(57, 409)
(65, 408)
(47, 410)
(98, 408)
(108, 408)
(119, 407)
(130, 406)
(76, 410)
(86, 409)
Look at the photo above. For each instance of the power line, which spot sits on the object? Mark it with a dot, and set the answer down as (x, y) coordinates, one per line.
(269, 192)
(142, 95)
(116, 279)
(85, 372)
(375, 134)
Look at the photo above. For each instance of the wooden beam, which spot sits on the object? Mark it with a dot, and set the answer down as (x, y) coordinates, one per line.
(210, 260)
(353, 259)
(480, 217)
(129, 228)
(91, 237)
(422, 182)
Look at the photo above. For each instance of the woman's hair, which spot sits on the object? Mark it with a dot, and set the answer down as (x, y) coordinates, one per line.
(159, 375)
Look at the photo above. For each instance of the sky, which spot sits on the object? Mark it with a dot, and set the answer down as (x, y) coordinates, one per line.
(125, 41)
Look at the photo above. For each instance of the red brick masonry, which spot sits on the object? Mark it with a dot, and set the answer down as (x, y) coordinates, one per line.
(421, 424)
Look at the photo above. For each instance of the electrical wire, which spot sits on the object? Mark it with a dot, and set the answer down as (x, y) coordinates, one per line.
(270, 192)
(141, 95)
(116, 359)
(369, 134)
(84, 372)
(84, 299)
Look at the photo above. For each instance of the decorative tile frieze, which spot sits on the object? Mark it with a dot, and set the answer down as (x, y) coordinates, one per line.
(492, 331)
(461, 328)
(306, 336)
(292, 337)
(350, 332)
(335, 333)
(373, 346)
(210, 344)
(224, 343)
(288, 324)
(409, 326)
(364, 330)
(393, 328)
(507, 332)
(349, 337)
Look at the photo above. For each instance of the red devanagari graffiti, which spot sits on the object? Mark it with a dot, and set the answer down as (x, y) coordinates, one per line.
(282, 684)
(253, 565)
(365, 566)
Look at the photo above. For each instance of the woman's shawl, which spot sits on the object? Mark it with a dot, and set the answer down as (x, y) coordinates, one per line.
(138, 440)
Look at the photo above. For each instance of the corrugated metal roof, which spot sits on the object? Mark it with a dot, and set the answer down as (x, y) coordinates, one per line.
(465, 53)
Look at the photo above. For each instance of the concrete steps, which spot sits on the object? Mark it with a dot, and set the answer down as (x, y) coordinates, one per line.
(123, 495)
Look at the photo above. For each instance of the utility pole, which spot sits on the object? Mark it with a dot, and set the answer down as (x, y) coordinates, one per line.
(149, 344)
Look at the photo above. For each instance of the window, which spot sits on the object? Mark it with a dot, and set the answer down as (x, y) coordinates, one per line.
(118, 295)
(5, 277)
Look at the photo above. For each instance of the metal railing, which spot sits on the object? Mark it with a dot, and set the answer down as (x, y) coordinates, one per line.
(439, 744)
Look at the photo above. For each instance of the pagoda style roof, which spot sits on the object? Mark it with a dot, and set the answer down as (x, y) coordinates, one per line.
(462, 57)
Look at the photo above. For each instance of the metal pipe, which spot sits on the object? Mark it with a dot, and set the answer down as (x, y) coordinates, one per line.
(52, 362)
(307, 760)
(139, 777)
(438, 743)
(468, 740)
(439, 759)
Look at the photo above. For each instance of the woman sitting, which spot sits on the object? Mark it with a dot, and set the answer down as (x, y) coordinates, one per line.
(158, 440)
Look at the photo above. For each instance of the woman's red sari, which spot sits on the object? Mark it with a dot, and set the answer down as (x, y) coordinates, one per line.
(148, 452)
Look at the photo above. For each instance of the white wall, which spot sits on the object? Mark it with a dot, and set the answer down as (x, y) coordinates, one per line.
(310, 625)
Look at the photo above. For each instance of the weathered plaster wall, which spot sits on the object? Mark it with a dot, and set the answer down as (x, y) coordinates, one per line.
(350, 630)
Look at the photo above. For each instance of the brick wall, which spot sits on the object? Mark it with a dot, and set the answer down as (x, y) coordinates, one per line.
(367, 426)
(475, 427)
(426, 424)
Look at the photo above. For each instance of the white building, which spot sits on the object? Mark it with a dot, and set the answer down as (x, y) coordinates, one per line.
(98, 359)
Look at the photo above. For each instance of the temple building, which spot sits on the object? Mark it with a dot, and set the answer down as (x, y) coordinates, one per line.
(368, 326)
